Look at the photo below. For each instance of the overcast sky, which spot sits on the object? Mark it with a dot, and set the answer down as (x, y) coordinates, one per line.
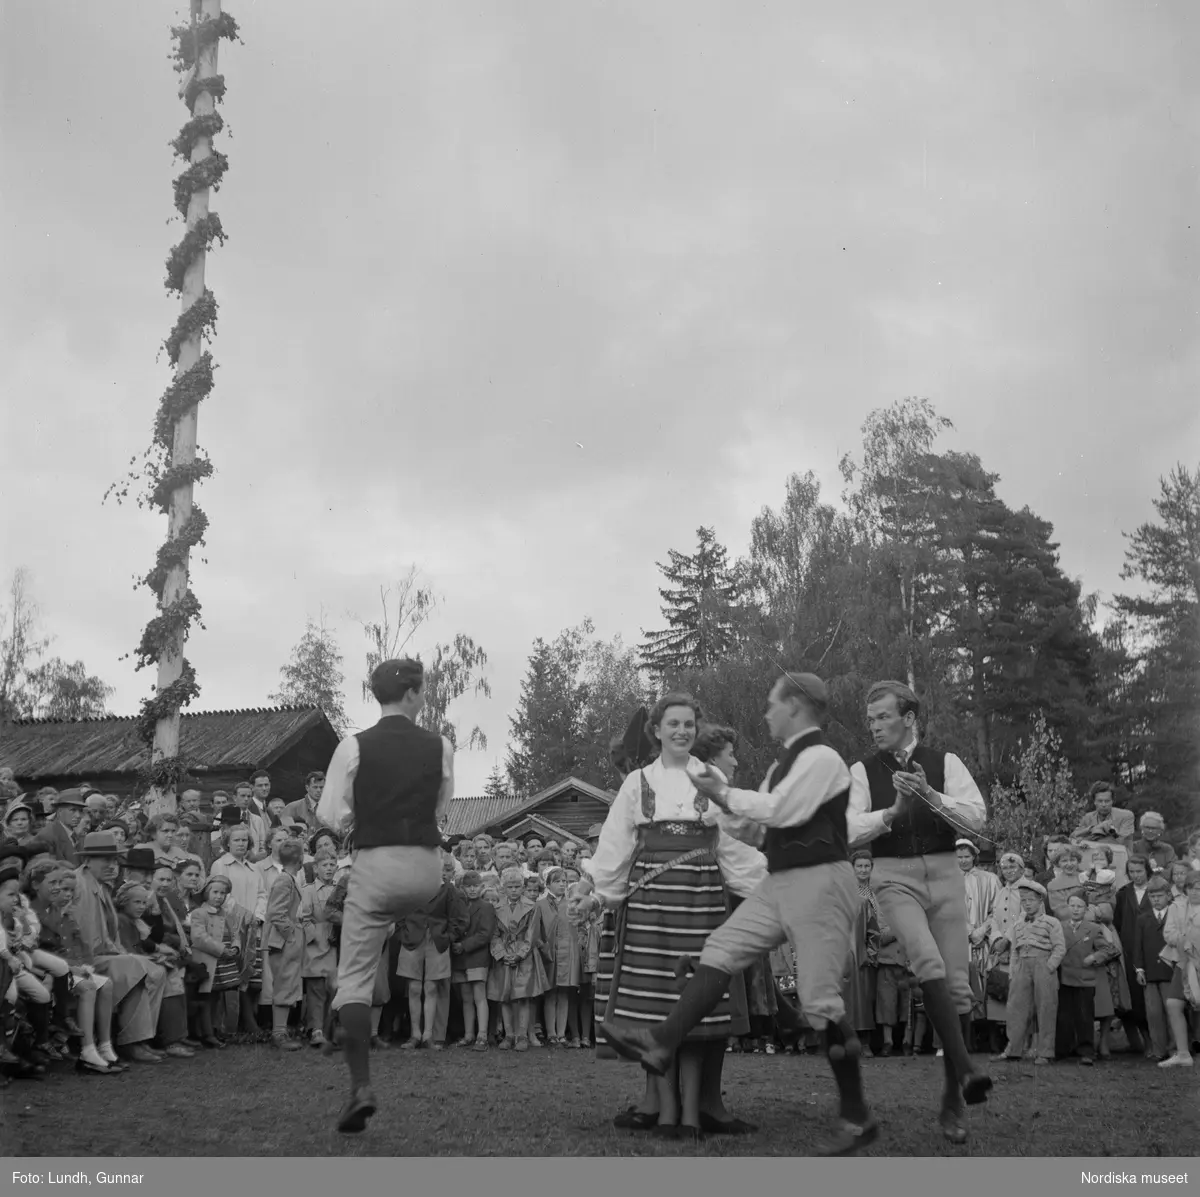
(524, 294)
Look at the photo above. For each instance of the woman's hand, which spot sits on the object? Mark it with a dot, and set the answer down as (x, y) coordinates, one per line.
(1141, 976)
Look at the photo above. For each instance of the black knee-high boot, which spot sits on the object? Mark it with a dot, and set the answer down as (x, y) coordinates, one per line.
(843, 1049)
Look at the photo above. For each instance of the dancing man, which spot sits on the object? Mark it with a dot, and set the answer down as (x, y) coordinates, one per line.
(913, 803)
(810, 897)
(390, 783)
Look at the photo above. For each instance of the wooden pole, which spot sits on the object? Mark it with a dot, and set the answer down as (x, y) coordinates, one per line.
(170, 664)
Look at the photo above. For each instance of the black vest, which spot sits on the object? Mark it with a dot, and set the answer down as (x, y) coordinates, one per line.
(920, 832)
(397, 785)
(819, 841)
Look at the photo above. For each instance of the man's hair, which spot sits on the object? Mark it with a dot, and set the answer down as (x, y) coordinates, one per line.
(257, 774)
(470, 877)
(711, 741)
(291, 853)
(316, 775)
(243, 785)
(906, 699)
(790, 686)
(1158, 885)
(392, 680)
(1102, 787)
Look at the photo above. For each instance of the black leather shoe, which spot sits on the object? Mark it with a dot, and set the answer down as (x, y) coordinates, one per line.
(635, 1119)
(730, 1126)
(356, 1112)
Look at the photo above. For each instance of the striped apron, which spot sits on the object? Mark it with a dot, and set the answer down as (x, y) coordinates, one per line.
(665, 921)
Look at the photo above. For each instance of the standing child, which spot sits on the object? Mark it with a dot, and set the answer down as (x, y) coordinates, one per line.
(1038, 948)
(583, 909)
(891, 991)
(470, 956)
(1153, 973)
(516, 975)
(320, 955)
(1086, 947)
(284, 941)
(558, 943)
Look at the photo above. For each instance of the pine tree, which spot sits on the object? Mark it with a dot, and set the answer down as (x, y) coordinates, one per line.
(1164, 642)
(496, 785)
(544, 727)
(700, 609)
(313, 677)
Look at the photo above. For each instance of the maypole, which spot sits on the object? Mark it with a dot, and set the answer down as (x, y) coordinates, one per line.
(175, 465)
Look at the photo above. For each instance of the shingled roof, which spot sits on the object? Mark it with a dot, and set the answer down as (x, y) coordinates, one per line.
(467, 813)
(210, 740)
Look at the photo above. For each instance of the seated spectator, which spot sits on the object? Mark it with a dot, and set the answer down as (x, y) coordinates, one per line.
(1105, 821)
(138, 984)
(1152, 845)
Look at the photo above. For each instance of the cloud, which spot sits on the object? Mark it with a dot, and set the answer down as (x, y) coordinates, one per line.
(700, 243)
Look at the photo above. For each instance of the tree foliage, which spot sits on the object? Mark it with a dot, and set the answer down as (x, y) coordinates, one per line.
(1041, 798)
(700, 609)
(313, 676)
(455, 667)
(32, 686)
(577, 694)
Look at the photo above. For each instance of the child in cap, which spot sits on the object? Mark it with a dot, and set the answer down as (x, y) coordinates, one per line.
(1038, 948)
(1087, 950)
(470, 958)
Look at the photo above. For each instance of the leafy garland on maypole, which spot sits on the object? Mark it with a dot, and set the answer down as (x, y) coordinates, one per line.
(160, 474)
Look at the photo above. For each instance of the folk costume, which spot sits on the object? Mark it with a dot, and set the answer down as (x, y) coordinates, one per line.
(808, 898)
(922, 895)
(667, 865)
(390, 784)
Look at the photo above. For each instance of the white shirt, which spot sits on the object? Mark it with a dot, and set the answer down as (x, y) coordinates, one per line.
(817, 775)
(743, 868)
(963, 802)
(336, 808)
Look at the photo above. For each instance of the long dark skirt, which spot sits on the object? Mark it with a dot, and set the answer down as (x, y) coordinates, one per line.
(664, 923)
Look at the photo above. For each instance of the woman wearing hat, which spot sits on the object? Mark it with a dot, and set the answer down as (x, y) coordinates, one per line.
(138, 983)
(18, 821)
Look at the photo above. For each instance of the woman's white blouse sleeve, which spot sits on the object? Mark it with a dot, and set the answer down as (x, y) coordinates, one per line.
(609, 866)
(743, 867)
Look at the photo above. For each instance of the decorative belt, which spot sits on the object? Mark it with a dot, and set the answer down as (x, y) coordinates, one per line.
(678, 828)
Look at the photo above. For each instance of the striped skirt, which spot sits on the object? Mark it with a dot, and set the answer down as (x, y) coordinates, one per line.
(666, 921)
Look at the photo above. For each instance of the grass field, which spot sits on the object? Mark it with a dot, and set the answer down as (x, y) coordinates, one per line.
(256, 1101)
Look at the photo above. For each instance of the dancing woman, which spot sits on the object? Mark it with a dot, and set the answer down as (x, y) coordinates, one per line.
(667, 869)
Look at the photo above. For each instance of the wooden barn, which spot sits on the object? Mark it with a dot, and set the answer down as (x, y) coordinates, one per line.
(224, 747)
(566, 810)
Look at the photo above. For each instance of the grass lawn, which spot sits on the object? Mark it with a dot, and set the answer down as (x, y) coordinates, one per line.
(254, 1100)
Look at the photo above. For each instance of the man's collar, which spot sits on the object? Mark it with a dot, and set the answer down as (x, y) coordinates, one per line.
(808, 731)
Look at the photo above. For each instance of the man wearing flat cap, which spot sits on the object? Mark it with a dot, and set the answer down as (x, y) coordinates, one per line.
(913, 803)
(56, 835)
(810, 899)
